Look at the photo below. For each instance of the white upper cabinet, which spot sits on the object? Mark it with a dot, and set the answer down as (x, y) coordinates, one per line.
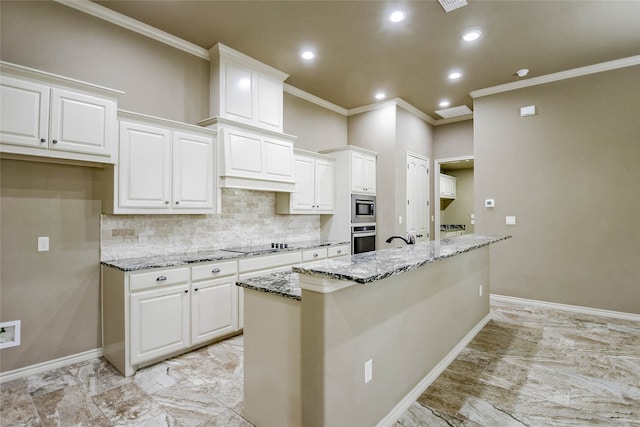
(164, 167)
(447, 186)
(50, 116)
(245, 90)
(315, 186)
(363, 172)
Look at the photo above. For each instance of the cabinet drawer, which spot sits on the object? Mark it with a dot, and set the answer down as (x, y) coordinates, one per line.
(214, 270)
(339, 250)
(271, 261)
(154, 279)
(314, 254)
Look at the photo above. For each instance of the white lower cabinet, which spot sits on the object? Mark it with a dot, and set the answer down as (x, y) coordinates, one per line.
(153, 314)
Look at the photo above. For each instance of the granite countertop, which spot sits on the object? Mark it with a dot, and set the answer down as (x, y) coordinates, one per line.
(143, 263)
(371, 266)
(284, 284)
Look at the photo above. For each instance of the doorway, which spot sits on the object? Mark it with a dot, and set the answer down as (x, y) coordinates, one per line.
(417, 216)
(454, 214)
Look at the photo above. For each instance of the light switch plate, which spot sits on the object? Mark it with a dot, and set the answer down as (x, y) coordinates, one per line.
(43, 244)
(510, 220)
(490, 203)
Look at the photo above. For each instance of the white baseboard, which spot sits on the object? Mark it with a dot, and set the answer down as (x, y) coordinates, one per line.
(49, 365)
(414, 394)
(566, 307)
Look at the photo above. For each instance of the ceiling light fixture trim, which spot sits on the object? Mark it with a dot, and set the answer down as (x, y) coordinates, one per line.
(397, 16)
(471, 35)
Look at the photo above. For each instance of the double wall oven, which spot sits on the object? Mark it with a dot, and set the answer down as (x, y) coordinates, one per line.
(363, 223)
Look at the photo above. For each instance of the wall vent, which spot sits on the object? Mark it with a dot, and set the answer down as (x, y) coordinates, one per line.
(447, 113)
(449, 5)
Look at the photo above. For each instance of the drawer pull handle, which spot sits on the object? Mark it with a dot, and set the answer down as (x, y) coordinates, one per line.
(161, 278)
(215, 270)
(186, 291)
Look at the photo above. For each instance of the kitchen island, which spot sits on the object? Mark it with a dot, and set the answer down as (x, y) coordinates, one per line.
(353, 341)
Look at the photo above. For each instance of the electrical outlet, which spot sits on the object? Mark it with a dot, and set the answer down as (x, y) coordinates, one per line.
(368, 371)
(510, 220)
(43, 244)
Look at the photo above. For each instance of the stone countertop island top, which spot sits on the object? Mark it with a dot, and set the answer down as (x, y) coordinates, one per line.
(285, 284)
(369, 267)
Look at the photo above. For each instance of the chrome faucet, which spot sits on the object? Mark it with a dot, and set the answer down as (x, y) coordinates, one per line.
(410, 240)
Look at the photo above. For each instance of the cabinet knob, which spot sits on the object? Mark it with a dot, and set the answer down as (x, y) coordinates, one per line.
(195, 290)
(55, 141)
(166, 202)
(339, 251)
(315, 255)
(161, 278)
(177, 203)
(215, 270)
(186, 291)
(43, 140)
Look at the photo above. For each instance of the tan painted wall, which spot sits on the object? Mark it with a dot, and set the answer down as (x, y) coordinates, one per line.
(571, 176)
(55, 294)
(391, 131)
(453, 140)
(316, 127)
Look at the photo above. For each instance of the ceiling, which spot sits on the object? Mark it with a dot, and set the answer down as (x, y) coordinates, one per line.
(360, 52)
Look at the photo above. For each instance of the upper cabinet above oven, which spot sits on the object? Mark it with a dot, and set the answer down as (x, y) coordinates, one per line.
(361, 164)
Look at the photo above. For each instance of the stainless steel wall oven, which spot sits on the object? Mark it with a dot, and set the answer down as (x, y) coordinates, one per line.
(363, 238)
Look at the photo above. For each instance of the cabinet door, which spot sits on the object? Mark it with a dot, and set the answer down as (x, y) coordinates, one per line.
(24, 112)
(277, 160)
(269, 103)
(145, 166)
(238, 85)
(243, 154)
(324, 186)
(369, 174)
(304, 197)
(214, 309)
(357, 171)
(159, 322)
(81, 123)
(192, 171)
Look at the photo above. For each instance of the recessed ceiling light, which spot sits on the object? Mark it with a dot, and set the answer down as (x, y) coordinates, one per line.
(307, 54)
(455, 75)
(523, 72)
(380, 95)
(444, 103)
(471, 35)
(397, 16)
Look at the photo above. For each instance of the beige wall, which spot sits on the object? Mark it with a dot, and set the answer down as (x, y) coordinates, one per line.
(316, 127)
(453, 140)
(157, 79)
(391, 131)
(571, 177)
(55, 294)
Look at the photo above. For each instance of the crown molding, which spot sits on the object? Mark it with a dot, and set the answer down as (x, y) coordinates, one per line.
(314, 99)
(562, 75)
(399, 102)
(134, 25)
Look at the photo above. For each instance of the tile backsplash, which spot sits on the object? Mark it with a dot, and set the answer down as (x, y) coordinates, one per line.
(247, 218)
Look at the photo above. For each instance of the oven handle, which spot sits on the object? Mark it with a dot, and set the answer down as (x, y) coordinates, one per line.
(366, 234)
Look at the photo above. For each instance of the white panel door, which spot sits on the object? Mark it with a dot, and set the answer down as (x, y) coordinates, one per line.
(269, 103)
(159, 322)
(145, 166)
(418, 196)
(192, 171)
(304, 196)
(81, 123)
(239, 86)
(325, 186)
(214, 309)
(278, 160)
(24, 112)
(243, 154)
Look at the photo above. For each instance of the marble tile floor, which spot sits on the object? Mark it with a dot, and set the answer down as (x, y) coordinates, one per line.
(529, 366)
